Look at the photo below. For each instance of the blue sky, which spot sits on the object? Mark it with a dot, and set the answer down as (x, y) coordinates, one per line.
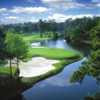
(19, 11)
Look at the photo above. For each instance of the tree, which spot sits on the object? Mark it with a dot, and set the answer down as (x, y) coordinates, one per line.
(92, 66)
(77, 31)
(15, 47)
(95, 38)
(41, 27)
(1, 44)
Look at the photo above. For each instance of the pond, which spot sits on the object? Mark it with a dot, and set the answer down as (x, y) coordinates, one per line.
(60, 43)
(58, 87)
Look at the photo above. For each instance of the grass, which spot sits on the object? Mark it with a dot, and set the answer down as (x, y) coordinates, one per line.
(34, 37)
(6, 70)
(52, 53)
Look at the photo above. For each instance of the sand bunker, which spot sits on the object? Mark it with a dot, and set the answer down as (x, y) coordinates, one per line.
(37, 66)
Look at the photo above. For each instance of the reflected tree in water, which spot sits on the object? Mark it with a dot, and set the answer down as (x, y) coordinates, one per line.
(92, 66)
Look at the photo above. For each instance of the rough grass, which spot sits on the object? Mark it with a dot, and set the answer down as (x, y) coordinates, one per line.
(6, 70)
(52, 53)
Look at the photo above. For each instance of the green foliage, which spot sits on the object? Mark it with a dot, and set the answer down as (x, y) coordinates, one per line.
(6, 70)
(77, 31)
(92, 66)
(83, 71)
(2, 45)
(2, 62)
(93, 97)
(79, 74)
(95, 59)
(95, 37)
(15, 48)
(95, 54)
(15, 45)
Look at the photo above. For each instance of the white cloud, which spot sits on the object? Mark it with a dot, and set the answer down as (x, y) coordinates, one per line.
(25, 10)
(3, 10)
(74, 5)
(58, 17)
(17, 19)
(10, 20)
(67, 4)
(12, 17)
(29, 10)
(95, 1)
(52, 1)
(61, 17)
(81, 16)
(98, 4)
(56, 1)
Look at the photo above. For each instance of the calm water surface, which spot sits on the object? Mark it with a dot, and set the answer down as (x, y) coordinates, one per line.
(61, 43)
(58, 87)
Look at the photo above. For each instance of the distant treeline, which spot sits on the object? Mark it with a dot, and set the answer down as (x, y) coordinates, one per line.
(40, 26)
(47, 26)
(76, 31)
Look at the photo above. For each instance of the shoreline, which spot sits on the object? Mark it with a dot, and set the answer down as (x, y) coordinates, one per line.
(30, 81)
(21, 84)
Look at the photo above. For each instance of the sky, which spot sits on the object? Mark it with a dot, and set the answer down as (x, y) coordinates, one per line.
(20, 11)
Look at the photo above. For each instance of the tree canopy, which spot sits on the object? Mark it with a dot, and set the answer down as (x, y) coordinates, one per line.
(15, 47)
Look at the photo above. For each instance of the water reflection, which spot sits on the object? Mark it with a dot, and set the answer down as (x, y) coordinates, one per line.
(60, 43)
(83, 71)
(59, 87)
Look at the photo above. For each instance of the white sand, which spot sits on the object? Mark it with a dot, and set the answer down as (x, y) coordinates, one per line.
(37, 66)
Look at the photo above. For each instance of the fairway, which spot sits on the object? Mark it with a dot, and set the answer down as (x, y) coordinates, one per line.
(52, 53)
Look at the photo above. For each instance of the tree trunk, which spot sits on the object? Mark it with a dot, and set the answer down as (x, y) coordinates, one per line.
(17, 67)
(17, 63)
(10, 68)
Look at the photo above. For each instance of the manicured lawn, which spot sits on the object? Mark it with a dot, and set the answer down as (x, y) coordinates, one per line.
(52, 53)
(34, 37)
(6, 70)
